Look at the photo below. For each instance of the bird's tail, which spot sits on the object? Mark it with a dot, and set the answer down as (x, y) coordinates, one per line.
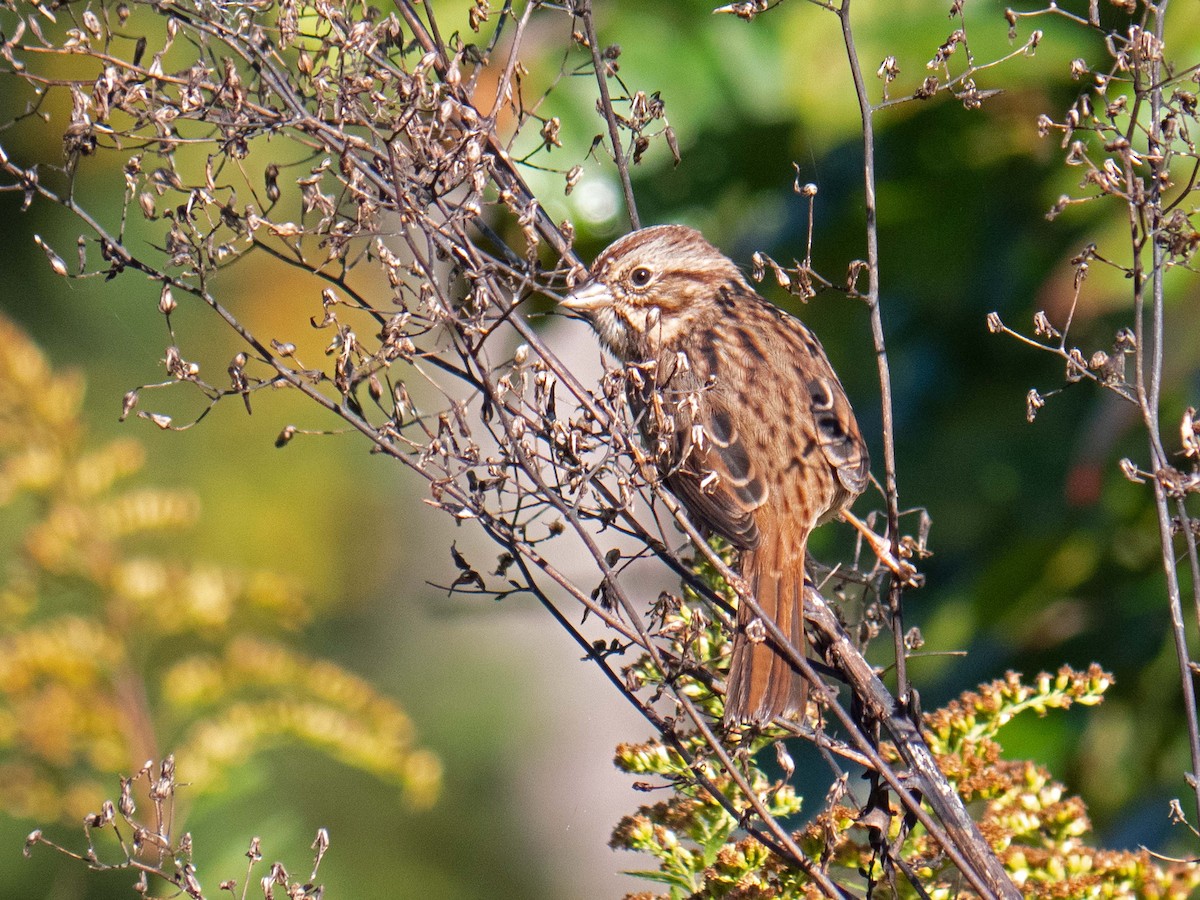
(762, 683)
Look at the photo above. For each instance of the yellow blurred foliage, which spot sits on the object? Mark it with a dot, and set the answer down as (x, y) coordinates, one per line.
(109, 657)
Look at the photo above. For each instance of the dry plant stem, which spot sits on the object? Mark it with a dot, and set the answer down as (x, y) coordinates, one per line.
(775, 836)
(1060, 350)
(1144, 220)
(902, 570)
(912, 877)
(1179, 632)
(829, 887)
(957, 833)
(1193, 554)
(890, 487)
(504, 83)
(583, 9)
(96, 866)
(780, 836)
(971, 70)
(983, 863)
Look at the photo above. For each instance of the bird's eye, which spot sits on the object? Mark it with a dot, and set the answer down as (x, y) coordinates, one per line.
(640, 277)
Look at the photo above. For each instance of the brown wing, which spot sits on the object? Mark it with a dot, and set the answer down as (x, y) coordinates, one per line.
(716, 479)
(727, 404)
(837, 433)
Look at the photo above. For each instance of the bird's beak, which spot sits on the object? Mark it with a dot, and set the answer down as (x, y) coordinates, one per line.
(589, 296)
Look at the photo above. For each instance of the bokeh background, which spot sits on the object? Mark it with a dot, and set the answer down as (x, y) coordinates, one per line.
(1043, 553)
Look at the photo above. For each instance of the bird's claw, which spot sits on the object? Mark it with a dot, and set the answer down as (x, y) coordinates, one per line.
(902, 569)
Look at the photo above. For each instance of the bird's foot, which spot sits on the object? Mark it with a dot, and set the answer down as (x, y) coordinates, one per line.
(904, 570)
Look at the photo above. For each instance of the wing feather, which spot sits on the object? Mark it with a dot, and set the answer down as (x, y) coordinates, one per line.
(837, 433)
(719, 454)
(717, 480)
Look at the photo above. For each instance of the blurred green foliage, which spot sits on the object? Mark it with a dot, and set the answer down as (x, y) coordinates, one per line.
(1044, 554)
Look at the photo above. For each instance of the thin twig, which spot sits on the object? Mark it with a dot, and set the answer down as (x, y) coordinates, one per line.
(1149, 382)
(982, 867)
(891, 489)
(583, 9)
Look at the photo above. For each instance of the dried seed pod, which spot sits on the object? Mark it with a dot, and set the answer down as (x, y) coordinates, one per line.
(271, 177)
(56, 262)
(1033, 402)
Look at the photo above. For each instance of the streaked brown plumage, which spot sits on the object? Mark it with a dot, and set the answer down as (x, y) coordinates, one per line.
(750, 426)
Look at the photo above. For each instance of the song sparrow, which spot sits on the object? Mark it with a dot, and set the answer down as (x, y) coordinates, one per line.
(750, 427)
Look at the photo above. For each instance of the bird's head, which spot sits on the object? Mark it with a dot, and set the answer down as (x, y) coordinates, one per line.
(651, 287)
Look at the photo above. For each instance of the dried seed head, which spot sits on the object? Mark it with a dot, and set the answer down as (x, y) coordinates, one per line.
(1063, 202)
(1130, 470)
(1033, 402)
(927, 89)
(550, 129)
(271, 177)
(127, 404)
(781, 276)
(92, 23)
(758, 266)
(573, 176)
(56, 262)
(1125, 341)
(1076, 365)
(672, 143)
(1042, 326)
(1189, 432)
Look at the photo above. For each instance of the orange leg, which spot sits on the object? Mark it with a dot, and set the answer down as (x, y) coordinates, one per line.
(901, 568)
